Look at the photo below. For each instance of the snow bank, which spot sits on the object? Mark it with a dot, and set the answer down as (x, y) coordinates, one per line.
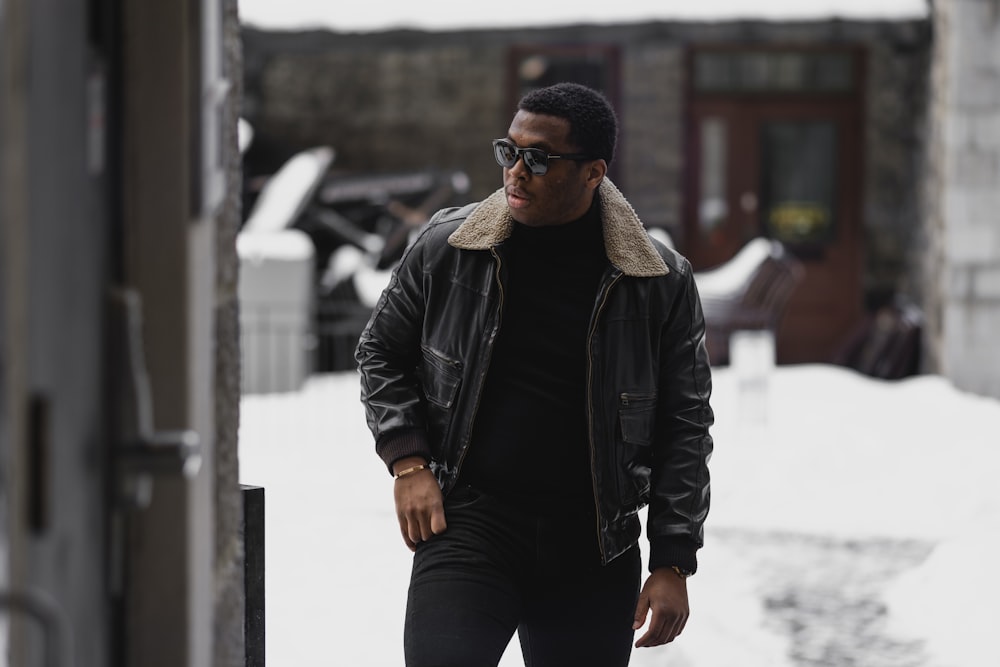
(441, 15)
(815, 451)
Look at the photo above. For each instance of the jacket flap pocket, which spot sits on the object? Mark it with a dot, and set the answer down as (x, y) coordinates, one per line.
(637, 415)
(440, 377)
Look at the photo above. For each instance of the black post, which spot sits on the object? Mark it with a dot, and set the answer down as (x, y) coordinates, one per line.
(253, 574)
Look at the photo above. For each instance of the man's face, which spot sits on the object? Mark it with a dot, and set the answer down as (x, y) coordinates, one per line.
(565, 192)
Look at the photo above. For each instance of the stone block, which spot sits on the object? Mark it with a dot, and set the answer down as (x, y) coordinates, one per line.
(975, 168)
(978, 24)
(959, 284)
(965, 207)
(972, 349)
(971, 327)
(978, 131)
(986, 283)
(974, 62)
(985, 130)
(970, 244)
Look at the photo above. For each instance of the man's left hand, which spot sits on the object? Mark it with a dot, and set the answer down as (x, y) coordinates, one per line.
(665, 593)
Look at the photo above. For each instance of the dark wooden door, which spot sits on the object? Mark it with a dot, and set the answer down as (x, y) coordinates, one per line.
(783, 165)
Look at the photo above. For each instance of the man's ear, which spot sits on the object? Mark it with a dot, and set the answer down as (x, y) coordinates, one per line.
(596, 171)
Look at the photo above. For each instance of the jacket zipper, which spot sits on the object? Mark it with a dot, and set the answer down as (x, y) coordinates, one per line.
(590, 410)
(486, 366)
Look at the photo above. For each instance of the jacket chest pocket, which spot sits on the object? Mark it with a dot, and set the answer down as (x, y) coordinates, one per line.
(636, 423)
(637, 417)
(440, 380)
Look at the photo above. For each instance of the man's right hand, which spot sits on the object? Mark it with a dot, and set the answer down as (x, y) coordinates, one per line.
(419, 503)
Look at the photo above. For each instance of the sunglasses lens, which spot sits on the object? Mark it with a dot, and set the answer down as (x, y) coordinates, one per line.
(505, 154)
(536, 161)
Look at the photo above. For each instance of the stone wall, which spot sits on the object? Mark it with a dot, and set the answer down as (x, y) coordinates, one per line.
(391, 102)
(652, 115)
(895, 161)
(964, 195)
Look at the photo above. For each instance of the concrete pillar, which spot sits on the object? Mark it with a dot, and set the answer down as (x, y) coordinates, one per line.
(964, 184)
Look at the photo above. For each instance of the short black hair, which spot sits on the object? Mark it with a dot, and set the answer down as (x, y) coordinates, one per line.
(593, 126)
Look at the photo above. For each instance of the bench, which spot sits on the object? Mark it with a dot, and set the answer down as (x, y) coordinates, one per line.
(749, 292)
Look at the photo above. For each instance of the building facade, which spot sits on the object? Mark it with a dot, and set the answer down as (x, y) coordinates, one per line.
(812, 132)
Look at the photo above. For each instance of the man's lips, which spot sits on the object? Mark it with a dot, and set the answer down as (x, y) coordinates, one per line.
(517, 198)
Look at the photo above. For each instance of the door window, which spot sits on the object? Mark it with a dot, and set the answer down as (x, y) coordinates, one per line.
(798, 167)
(713, 207)
(748, 71)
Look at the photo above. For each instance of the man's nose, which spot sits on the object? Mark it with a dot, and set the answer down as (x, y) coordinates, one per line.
(519, 169)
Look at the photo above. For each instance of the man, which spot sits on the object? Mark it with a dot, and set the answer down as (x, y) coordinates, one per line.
(534, 373)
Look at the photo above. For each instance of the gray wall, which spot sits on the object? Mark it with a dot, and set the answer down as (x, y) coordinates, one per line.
(963, 196)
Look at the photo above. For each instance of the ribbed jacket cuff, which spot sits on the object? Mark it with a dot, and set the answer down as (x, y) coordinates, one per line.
(670, 551)
(399, 444)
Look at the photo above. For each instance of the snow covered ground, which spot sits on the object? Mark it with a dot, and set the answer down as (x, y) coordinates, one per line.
(854, 522)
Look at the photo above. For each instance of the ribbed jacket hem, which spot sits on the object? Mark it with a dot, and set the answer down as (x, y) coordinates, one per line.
(400, 444)
(671, 551)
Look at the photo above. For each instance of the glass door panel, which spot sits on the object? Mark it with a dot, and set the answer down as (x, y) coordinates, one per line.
(713, 207)
(798, 181)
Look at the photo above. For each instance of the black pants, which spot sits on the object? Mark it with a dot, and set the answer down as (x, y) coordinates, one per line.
(497, 569)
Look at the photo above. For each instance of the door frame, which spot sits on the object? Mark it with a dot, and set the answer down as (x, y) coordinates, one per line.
(814, 324)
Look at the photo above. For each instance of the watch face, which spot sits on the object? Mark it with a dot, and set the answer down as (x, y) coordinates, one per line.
(681, 572)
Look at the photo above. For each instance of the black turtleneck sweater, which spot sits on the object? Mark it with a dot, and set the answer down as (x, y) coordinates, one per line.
(530, 441)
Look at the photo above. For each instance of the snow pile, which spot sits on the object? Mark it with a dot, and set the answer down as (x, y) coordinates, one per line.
(439, 15)
(837, 499)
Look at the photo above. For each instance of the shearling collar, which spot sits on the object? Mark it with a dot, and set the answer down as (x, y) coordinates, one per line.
(625, 240)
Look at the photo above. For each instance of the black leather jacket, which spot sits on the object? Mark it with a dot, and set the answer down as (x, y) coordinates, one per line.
(425, 353)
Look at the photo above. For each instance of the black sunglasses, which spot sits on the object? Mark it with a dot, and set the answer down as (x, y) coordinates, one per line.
(535, 159)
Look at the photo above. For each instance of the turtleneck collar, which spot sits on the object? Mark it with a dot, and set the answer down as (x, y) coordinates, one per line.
(584, 231)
